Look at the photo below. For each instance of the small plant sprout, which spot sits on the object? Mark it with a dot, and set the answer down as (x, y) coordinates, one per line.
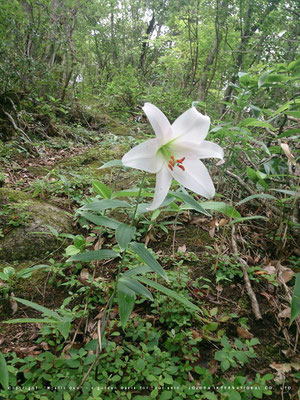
(175, 153)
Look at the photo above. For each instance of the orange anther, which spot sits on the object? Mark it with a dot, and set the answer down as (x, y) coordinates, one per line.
(173, 158)
(170, 166)
(180, 161)
(181, 167)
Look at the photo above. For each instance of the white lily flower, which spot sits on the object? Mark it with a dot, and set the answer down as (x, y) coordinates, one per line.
(176, 153)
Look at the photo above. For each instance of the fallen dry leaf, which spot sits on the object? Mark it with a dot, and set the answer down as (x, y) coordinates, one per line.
(182, 249)
(244, 333)
(286, 313)
(286, 149)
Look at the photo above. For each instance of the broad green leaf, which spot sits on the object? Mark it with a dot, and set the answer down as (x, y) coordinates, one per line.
(137, 287)
(168, 292)
(256, 196)
(221, 207)
(95, 255)
(101, 189)
(263, 78)
(64, 328)
(295, 307)
(101, 205)
(99, 220)
(124, 235)
(191, 202)
(72, 250)
(37, 307)
(126, 298)
(3, 372)
(149, 259)
(112, 163)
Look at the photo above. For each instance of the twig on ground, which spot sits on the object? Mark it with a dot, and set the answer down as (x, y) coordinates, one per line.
(251, 294)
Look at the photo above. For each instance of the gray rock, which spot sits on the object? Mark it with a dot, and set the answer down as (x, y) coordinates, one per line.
(23, 215)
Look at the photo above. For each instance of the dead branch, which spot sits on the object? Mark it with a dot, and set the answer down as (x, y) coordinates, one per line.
(276, 210)
(15, 126)
(244, 266)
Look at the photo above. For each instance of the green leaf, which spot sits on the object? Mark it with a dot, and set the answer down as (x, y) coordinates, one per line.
(243, 219)
(37, 307)
(221, 207)
(112, 163)
(26, 272)
(256, 122)
(124, 235)
(256, 196)
(31, 321)
(149, 259)
(263, 78)
(99, 220)
(168, 292)
(95, 255)
(140, 364)
(141, 270)
(3, 372)
(295, 306)
(137, 287)
(101, 205)
(132, 193)
(126, 298)
(190, 201)
(72, 250)
(64, 328)
(101, 189)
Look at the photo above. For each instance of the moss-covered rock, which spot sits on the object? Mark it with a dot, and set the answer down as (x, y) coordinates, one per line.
(21, 216)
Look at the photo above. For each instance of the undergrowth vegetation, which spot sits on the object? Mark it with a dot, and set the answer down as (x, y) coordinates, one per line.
(195, 299)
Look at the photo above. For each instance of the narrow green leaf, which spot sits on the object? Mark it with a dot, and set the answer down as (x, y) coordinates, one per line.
(190, 201)
(221, 207)
(101, 189)
(137, 287)
(101, 205)
(112, 163)
(295, 306)
(37, 307)
(31, 321)
(256, 196)
(99, 220)
(124, 235)
(141, 270)
(243, 219)
(95, 255)
(132, 193)
(3, 372)
(168, 292)
(149, 259)
(126, 298)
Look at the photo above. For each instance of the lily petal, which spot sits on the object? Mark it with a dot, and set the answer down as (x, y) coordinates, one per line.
(195, 177)
(162, 186)
(191, 126)
(193, 151)
(144, 156)
(159, 122)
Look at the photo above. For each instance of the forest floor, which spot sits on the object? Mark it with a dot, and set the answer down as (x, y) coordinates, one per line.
(196, 251)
